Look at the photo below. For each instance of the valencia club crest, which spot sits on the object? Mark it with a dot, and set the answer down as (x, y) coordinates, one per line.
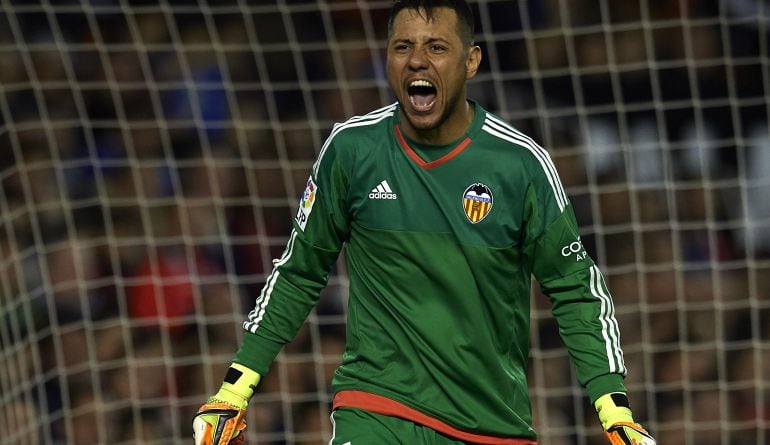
(477, 202)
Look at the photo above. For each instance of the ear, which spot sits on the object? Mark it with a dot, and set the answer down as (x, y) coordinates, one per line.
(472, 62)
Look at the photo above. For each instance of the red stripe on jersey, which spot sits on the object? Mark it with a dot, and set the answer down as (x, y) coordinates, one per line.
(416, 158)
(388, 407)
(476, 211)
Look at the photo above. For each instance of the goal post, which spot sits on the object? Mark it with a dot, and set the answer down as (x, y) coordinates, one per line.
(152, 155)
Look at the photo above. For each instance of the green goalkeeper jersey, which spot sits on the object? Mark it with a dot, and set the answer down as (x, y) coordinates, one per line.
(441, 244)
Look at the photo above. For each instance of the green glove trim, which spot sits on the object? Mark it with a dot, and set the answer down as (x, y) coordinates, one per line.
(238, 386)
(613, 408)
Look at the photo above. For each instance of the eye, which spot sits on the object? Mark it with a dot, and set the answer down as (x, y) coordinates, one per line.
(401, 47)
(436, 48)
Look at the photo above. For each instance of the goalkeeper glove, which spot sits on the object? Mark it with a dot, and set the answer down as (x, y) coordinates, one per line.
(618, 423)
(220, 421)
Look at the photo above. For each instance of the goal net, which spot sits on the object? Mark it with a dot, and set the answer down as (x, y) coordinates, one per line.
(152, 155)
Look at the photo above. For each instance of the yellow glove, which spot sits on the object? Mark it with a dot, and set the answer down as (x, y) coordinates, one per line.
(618, 422)
(220, 421)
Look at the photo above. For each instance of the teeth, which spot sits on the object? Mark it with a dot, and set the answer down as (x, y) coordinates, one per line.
(420, 83)
(411, 100)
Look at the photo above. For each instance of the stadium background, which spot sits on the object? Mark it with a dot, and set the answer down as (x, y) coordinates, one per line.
(152, 155)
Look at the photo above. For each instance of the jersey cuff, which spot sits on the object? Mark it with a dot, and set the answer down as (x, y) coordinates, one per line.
(257, 352)
(604, 384)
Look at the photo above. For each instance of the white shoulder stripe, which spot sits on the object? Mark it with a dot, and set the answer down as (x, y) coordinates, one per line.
(542, 156)
(257, 314)
(356, 121)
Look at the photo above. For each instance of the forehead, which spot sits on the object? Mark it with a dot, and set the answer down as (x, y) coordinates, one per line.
(414, 24)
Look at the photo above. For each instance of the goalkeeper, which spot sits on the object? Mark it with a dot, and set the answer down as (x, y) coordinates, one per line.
(446, 212)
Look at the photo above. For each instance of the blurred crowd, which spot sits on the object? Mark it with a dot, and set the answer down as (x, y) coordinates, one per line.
(151, 158)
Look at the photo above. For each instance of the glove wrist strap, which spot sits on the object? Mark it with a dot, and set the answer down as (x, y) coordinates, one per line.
(238, 386)
(613, 408)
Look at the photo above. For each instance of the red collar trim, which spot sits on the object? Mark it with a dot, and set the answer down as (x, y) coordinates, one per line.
(426, 165)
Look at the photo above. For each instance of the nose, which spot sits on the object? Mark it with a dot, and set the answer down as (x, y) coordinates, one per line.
(417, 59)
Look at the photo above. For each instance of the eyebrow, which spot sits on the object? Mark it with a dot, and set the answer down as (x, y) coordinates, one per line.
(429, 40)
(437, 40)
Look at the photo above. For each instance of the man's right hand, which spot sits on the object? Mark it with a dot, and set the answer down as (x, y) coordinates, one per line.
(219, 424)
(220, 421)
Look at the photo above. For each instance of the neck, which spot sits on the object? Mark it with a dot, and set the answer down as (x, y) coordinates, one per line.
(448, 131)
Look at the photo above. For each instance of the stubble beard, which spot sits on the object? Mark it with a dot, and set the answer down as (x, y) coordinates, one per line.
(432, 129)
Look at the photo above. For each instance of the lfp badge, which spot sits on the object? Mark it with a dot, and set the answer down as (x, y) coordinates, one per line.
(477, 202)
(306, 203)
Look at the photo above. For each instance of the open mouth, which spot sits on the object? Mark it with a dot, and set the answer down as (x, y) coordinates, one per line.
(422, 94)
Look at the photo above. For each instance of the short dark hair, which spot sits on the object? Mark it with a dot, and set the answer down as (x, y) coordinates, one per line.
(465, 20)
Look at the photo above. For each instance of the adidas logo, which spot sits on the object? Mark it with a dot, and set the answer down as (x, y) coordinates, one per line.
(382, 191)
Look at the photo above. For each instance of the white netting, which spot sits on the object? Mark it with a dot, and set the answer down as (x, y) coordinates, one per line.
(152, 155)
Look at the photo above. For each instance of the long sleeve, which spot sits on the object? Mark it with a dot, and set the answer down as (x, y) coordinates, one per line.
(293, 287)
(580, 299)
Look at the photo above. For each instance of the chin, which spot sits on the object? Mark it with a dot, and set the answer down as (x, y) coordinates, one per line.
(424, 122)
